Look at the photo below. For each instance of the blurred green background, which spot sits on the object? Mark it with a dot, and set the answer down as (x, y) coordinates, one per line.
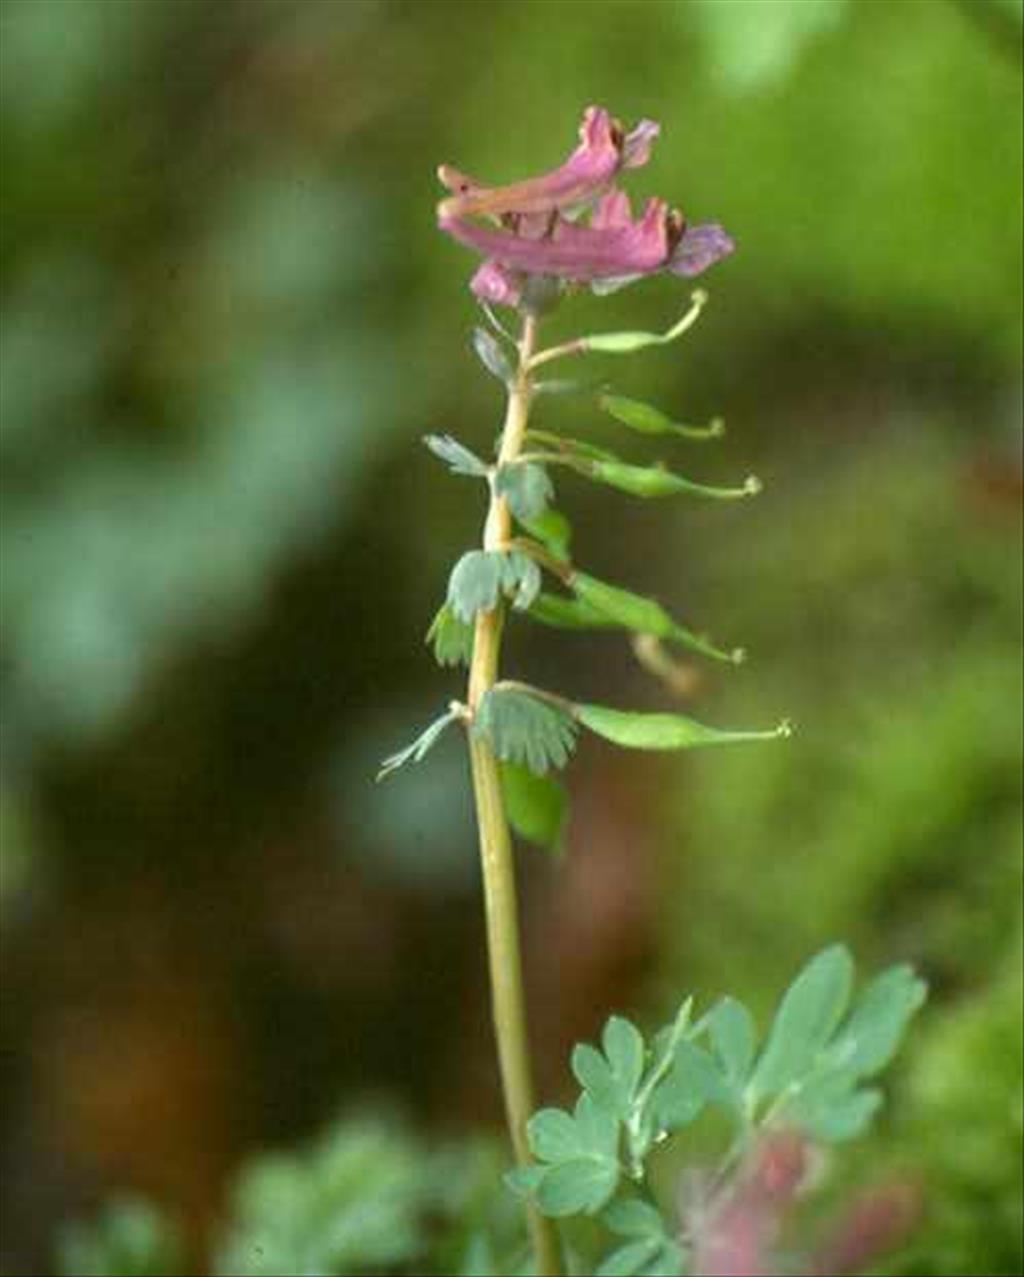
(227, 317)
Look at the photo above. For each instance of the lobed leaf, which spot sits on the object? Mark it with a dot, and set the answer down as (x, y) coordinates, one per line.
(456, 456)
(693, 1081)
(571, 1187)
(810, 1010)
(663, 731)
(869, 1038)
(525, 729)
(475, 584)
(526, 487)
(491, 355)
(451, 639)
(733, 1040)
(633, 1217)
(520, 579)
(631, 1259)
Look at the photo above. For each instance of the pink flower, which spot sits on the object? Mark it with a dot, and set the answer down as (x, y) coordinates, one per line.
(539, 231)
(602, 151)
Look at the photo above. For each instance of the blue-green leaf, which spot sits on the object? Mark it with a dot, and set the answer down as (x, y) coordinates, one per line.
(629, 1260)
(693, 1081)
(810, 1010)
(451, 639)
(491, 355)
(632, 1217)
(475, 584)
(569, 1188)
(520, 579)
(553, 1135)
(664, 731)
(456, 456)
(733, 1039)
(525, 729)
(624, 1048)
(526, 487)
(536, 806)
(831, 1110)
(870, 1036)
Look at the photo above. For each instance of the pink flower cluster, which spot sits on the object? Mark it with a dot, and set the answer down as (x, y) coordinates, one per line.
(540, 232)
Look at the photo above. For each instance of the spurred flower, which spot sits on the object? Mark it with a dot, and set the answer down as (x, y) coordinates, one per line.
(603, 149)
(540, 232)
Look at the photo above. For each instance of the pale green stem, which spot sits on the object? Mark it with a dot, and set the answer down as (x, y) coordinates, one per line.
(505, 961)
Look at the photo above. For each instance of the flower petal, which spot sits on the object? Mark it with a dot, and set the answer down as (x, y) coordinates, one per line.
(575, 252)
(699, 248)
(613, 210)
(578, 181)
(636, 148)
(495, 284)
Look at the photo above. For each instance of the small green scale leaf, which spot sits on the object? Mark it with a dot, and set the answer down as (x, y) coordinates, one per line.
(491, 355)
(537, 807)
(451, 639)
(456, 456)
(415, 752)
(648, 420)
(526, 487)
(663, 731)
(644, 616)
(524, 729)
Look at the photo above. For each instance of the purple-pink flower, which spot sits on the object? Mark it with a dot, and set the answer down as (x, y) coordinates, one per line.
(540, 229)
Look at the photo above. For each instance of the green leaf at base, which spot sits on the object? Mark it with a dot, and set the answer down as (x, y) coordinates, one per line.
(536, 806)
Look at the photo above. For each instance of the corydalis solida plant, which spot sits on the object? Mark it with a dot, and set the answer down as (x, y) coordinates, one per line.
(541, 239)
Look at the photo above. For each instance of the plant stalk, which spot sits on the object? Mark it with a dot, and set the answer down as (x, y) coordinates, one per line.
(501, 907)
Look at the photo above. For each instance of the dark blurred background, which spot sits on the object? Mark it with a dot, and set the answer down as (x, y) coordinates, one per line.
(227, 318)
